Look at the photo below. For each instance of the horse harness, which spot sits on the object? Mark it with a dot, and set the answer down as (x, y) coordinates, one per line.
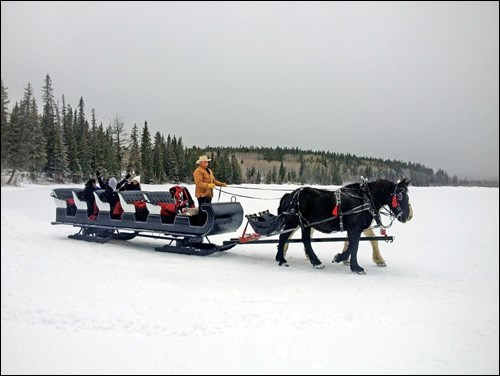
(367, 205)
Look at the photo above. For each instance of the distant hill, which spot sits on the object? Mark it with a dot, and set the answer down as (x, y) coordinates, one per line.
(293, 165)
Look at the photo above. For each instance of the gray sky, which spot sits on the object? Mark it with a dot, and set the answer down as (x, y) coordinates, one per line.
(409, 81)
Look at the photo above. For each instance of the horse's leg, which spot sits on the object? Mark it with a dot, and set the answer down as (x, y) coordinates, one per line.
(285, 247)
(305, 252)
(376, 256)
(342, 257)
(344, 250)
(306, 239)
(354, 236)
(280, 255)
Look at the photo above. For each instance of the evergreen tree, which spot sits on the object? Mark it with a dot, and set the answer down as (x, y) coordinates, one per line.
(282, 173)
(16, 140)
(75, 169)
(96, 143)
(134, 160)
(37, 143)
(26, 144)
(146, 155)
(302, 170)
(158, 173)
(180, 155)
(103, 148)
(49, 127)
(112, 164)
(60, 170)
(83, 135)
(172, 161)
(236, 168)
(171, 165)
(5, 124)
(222, 167)
(269, 177)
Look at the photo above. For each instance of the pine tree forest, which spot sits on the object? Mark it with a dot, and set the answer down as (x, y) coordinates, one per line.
(55, 142)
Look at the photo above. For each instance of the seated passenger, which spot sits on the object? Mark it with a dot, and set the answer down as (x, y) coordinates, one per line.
(88, 195)
(122, 184)
(181, 201)
(111, 196)
(182, 198)
(134, 185)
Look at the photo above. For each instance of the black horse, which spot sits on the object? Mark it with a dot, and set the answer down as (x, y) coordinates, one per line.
(351, 208)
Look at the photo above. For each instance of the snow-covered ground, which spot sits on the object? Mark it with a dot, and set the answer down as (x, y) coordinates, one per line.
(72, 307)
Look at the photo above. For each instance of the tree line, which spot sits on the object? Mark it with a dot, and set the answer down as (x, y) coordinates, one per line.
(60, 143)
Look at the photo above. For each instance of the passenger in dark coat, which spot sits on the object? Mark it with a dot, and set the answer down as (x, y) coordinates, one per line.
(123, 184)
(88, 195)
(111, 194)
(134, 185)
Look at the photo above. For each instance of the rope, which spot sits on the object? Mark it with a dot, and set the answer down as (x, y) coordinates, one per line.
(251, 197)
(263, 189)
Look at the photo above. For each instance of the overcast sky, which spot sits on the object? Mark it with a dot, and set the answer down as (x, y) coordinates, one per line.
(414, 82)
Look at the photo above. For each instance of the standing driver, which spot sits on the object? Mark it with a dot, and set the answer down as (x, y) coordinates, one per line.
(205, 181)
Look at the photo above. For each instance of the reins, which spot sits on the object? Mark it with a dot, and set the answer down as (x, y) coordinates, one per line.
(245, 196)
(366, 196)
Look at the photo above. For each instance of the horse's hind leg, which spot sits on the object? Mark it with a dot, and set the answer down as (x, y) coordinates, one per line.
(306, 239)
(280, 255)
(285, 247)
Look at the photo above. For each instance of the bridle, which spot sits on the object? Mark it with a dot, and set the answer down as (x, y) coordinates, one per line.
(395, 211)
(397, 197)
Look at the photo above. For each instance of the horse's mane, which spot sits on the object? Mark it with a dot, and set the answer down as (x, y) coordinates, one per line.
(379, 184)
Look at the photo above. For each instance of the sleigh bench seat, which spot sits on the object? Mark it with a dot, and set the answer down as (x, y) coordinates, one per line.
(63, 198)
(129, 200)
(101, 201)
(156, 200)
(153, 200)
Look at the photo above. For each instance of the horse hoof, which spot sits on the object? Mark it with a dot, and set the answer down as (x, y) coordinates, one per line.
(359, 272)
(319, 266)
(284, 264)
(381, 263)
(336, 258)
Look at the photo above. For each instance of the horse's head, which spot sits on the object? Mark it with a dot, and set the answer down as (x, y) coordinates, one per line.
(400, 202)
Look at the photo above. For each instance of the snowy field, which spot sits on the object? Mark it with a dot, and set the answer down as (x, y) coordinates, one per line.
(72, 307)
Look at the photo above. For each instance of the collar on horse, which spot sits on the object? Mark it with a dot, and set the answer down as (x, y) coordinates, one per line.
(337, 209)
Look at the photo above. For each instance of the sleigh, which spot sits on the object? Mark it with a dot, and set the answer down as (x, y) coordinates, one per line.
(187, 232)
